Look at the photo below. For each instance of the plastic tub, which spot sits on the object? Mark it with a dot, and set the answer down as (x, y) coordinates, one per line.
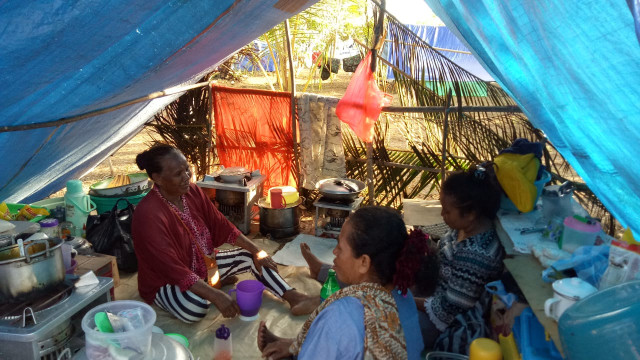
(104, 204)
(133, 344)
(531, 339)
(577, 233)
(604, 325)
(507, 204)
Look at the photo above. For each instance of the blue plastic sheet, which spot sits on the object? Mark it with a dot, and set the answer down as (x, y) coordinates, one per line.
(573, 66)
(443, 39)
(61, 58)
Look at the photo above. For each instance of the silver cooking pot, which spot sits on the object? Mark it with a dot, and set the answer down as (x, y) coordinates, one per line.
(23, 277)
(279, 223)
(340, 188)
(233, 174)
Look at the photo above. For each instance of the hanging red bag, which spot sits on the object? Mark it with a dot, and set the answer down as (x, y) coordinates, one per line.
(362, 102)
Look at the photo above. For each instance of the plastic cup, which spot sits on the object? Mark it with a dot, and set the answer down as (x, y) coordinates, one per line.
(249, 298)
(66, 255)
(127, 344)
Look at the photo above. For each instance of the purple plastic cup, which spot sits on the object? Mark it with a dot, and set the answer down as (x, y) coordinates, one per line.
(249, 298)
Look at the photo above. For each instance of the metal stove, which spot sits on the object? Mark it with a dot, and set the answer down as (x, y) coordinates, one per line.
(43, 329)
(331, 215)
(240, 214)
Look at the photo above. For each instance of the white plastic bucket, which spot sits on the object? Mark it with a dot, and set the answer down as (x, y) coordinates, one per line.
(78, 205)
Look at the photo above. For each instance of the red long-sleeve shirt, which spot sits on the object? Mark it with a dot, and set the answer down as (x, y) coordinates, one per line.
(165, 248)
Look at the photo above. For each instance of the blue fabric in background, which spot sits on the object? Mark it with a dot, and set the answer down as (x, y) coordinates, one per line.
(573, 66)
(63, 58)
(442, 38)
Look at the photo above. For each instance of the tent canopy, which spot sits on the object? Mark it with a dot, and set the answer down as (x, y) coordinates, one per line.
(573, 66)
(60, 59)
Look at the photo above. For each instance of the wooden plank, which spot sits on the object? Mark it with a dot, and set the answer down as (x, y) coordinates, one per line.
(527, 272)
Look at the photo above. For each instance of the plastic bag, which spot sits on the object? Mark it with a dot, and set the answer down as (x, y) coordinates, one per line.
(624, 264)
(110, 233)
(362, 102)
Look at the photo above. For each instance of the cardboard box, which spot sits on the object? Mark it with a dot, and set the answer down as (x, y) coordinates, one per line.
(100, 264)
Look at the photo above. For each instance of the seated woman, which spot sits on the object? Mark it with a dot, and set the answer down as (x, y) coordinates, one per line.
(175, 227)
(470, 255)
(374, 316)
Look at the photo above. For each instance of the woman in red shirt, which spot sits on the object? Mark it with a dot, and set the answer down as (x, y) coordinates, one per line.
(174, 226)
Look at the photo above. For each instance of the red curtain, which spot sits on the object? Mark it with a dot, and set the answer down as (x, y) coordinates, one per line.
(253, 129)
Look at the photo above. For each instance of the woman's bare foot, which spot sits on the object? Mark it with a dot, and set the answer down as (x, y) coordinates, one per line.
(314, 263)
(265, 337)
(301, 304)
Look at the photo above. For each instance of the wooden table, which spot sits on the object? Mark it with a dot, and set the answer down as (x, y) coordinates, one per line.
(527, 272)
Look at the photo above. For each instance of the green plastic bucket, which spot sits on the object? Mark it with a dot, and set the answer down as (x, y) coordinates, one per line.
(104, 204)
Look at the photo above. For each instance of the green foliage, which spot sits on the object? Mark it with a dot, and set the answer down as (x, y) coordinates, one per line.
(185, 124)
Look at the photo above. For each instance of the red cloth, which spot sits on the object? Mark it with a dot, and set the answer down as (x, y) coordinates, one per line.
(253, 130)
(163, 245)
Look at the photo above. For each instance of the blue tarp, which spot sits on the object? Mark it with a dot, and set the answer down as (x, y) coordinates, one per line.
(266, 60)
(573, 66)
(61, 58)
(443, 39)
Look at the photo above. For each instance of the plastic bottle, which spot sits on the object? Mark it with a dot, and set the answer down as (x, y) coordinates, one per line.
(77, 205)
(330, 285)
(67, 230)
(50, 227)
(222, 349)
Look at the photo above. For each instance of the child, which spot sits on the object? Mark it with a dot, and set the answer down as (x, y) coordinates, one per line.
(470, 255)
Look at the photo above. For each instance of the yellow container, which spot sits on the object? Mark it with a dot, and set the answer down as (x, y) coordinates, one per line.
(484, 349)
(289, 193)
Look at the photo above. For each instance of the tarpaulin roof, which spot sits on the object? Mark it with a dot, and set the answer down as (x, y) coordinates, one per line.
(60, 58)
(573, 66)
(448, 44)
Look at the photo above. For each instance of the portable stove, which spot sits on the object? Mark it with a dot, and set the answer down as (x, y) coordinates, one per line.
(331, 215)
(44, 328)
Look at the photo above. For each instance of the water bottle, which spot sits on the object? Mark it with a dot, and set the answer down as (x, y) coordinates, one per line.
(330, 285)
(222, 349)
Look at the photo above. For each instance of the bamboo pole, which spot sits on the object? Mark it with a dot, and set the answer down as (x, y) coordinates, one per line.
(445, 133)
(294, 130)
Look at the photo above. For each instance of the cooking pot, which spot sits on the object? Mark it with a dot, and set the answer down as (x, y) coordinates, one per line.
(280, 223)
(340, 188)
(566, 292)
(23, 277)
(230, 198)
(233, 174)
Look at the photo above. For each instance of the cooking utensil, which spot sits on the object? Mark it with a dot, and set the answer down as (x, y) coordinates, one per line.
(280, 223)
(138, 184)
(23, 277)
(340, 188)
(234, 174)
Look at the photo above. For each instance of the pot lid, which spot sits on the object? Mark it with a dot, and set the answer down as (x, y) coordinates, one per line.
(339, 186)
(235, 170)
(573, 287)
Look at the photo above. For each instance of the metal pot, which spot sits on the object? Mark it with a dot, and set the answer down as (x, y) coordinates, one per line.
(234, 174)
(340, 188)
(24, 277)
(230, 198)
(280, 223)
